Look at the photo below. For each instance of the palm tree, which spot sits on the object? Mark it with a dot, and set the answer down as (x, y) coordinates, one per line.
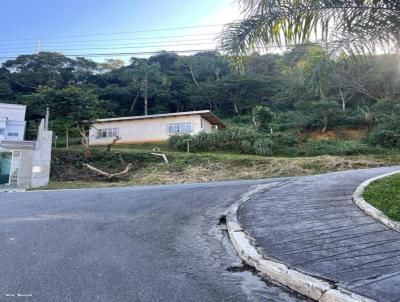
(341, 26)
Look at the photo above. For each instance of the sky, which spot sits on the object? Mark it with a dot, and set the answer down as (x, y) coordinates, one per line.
(97, 27)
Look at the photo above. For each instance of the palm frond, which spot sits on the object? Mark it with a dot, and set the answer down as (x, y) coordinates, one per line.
(362, 25)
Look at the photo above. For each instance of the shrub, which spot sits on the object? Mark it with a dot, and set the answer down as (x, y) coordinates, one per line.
(286, 144)
(177, 142)
(234, 139)
(338, 147)
(263, 147)
(263, 116)
(386, 134)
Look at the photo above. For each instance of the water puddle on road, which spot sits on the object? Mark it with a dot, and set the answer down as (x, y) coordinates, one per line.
(256, 287)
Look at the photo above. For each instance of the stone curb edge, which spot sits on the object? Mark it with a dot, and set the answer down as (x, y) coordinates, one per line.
(307, 285)
(370, 210)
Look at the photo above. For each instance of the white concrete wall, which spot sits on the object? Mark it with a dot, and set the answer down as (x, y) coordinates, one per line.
(13, 112)
(145, 130)
(14, 127)
(12, 120)
(41, 158)
(22, 165)
(25, 169)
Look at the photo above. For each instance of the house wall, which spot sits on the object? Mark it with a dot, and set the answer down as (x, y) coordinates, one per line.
(207, 126)
(146, 130)
(14, 127)
(22, 165)
(12, 120)
(13, 112)
(25, 169)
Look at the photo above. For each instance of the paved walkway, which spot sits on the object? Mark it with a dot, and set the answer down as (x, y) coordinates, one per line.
(311, 224)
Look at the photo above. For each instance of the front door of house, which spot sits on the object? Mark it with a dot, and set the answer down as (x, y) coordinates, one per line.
(5, 167)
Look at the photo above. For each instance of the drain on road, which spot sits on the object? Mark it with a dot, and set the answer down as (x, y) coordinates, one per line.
(222, 220)
(240, 268)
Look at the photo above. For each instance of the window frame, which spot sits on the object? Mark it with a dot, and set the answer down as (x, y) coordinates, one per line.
(13, 134)
(177, 128)
(105, 133)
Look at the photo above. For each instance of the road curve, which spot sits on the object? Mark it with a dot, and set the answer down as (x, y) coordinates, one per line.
(158, 243)
(312, 225)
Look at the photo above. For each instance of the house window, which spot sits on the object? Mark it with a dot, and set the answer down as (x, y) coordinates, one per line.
(107, 133)
(180, 128)
(12, 134)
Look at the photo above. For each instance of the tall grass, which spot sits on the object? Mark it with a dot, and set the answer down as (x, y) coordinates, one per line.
(229, 140)
(283, 144)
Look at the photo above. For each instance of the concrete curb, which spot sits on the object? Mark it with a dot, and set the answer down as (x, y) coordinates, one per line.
(378, 215)
(307, 285)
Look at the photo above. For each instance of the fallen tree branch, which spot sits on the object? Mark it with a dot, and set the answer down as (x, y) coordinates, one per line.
(162, 155)
(117, 138)
(108, 175)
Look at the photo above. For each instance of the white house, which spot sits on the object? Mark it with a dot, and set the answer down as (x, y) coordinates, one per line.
(152, 128)
(24, 164)
(12, 122)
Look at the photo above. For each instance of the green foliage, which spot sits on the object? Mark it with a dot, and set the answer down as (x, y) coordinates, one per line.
(230, 140)
(286, 144)
(293, 93)
(338, 147)
(386, 134)
(178, 142)
(67, 165)
(73, 106)
(263, 116)
(344, 26)
(387, 131)
(384, 194)
(263, 147)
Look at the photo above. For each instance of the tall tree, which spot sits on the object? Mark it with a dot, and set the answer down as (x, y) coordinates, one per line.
(71, 107)
(146, 77)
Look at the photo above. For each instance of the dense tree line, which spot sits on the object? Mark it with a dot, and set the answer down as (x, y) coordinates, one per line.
(303, 89)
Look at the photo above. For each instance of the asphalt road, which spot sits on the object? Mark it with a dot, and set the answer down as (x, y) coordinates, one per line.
(157, 243)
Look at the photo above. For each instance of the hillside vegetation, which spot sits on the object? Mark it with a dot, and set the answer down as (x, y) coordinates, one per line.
(292, 104)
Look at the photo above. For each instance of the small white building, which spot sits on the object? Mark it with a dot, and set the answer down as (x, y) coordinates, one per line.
(152, 128)
(23, 164)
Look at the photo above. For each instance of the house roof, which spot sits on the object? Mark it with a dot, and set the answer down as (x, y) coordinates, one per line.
(206, 114)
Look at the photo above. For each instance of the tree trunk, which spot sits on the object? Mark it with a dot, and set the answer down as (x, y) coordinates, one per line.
(235, 107)
(145, 92)
(117, 138)
(343, 100)
(67, 137)
(254, 119)
(325, 125)
(85, 139)
(134, 101)
(217, 72)
(109, 176)
(193, 77)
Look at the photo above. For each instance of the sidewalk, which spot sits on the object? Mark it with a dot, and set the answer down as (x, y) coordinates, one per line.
(312, 225)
